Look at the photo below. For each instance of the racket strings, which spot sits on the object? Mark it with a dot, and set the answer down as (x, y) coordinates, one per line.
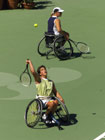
(83, 47)
(25, 79)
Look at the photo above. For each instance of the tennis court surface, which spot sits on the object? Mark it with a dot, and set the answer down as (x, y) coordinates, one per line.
(80, 80)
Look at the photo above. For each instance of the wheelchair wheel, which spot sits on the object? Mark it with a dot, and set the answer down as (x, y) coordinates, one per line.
(62, 48)
(43, 48)
(33, 113)
(62, 111)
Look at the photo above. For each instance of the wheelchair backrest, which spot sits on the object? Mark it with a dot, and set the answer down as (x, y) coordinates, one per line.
(49, 37)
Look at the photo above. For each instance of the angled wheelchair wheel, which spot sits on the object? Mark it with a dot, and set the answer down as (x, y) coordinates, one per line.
(62, 48)
(62, 111)
(44, 47)
(33, 113)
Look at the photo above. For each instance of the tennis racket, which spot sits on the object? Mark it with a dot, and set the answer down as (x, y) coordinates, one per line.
(81, 46)
(25, 77)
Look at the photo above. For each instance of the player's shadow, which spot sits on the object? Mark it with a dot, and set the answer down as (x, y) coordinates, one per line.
(76, 55)
(73, 56)
(43, 4)
(72, 120)
(79, 54)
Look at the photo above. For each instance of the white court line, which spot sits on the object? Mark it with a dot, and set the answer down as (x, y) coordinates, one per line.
(100, 136)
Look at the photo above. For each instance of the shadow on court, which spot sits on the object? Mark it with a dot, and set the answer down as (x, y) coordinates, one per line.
(74, 56)
(84, 56)
(43, 4)
(72, 121)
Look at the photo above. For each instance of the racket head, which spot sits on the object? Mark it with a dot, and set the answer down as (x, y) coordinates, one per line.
(25, 79)
(83, 47)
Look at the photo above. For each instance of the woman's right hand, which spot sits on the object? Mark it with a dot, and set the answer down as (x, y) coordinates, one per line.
(28, 61)
(67, 37)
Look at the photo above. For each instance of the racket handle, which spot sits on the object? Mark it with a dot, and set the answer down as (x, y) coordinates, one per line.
(26, 66)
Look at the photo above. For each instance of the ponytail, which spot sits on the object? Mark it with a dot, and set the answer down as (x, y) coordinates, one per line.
(52, 14)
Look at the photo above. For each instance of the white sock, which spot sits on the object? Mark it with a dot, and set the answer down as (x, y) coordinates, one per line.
(44, 117)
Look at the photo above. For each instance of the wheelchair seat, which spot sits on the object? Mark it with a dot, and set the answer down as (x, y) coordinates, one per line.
(49, 34)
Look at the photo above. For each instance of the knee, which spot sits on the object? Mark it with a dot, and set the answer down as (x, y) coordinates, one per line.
(50, 104)
(53, 104)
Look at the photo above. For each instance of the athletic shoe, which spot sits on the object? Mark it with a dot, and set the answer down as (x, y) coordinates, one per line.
(44, 117)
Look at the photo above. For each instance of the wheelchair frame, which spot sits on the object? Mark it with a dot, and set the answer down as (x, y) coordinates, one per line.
(55, 44)
(35, 110)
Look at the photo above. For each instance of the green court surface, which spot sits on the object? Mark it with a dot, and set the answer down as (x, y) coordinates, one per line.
(81, 80)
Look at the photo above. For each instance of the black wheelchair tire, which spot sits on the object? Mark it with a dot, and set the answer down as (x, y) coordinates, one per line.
(64, 118)
(42, 53)
(60, 56)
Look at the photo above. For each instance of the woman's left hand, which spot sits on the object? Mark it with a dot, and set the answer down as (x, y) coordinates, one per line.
(61, 99)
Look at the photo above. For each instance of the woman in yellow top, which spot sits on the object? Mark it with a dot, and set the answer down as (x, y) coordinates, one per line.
(46, 89)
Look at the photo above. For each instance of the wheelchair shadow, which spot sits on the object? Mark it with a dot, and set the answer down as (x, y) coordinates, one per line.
(79, 54)
(76, 55)
(72, 120)
(83, 55)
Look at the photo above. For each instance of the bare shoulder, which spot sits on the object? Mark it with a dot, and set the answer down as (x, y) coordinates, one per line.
(57, 20)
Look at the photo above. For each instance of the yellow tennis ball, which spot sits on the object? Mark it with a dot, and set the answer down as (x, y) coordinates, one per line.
(35, 25)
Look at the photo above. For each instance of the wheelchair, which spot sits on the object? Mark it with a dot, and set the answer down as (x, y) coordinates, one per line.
(35, 110)
(56, 44)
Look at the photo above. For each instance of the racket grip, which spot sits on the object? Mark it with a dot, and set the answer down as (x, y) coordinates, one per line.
(26, 66)
(27, 63)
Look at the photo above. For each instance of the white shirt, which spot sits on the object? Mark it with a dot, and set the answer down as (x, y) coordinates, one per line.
(55, 28)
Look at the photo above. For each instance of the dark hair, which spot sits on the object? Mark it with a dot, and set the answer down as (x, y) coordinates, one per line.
(38, 69)
(56, 10)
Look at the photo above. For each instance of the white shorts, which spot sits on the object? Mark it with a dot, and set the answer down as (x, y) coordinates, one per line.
(45, 100)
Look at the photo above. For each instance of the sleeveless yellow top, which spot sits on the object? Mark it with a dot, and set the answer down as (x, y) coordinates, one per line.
(44, 88)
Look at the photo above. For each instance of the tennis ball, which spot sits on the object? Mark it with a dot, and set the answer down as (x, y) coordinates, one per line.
(35, 25)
